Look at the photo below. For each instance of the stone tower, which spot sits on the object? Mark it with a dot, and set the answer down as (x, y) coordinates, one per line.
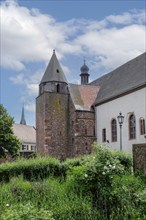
(52, 112)
(84, 74)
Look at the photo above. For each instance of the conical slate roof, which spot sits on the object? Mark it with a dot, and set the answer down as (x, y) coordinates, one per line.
(54, 72)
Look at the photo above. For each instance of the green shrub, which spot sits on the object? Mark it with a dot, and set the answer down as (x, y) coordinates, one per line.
(124, 158)
(99, 178)
(140, 173)
(77, 161)
(97, 172)
(32, 169)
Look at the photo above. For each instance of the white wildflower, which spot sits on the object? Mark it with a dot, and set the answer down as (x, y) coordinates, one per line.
(103, 173)
(86, 175)
(113, 167)
(7, 205)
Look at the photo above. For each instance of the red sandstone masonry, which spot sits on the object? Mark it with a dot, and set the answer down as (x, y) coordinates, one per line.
(61, 130)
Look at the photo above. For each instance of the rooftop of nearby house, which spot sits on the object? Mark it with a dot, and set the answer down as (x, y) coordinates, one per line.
(25, 133)
(124, 79)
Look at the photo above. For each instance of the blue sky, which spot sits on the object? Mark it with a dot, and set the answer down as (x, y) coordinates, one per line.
(106, 33)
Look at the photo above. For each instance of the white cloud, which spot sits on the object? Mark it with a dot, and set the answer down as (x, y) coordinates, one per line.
(27, 35)
(112, 47)
(32, 89)
(30, 36)
(19, 79)
(134, 16)
(30, 107)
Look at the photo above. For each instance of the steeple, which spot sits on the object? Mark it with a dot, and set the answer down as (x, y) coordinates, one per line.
(54, 72)
(84, 74)
(22, 121)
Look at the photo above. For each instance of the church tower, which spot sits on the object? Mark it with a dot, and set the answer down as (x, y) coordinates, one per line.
(23, 121)
(52, 112)
(84, 74)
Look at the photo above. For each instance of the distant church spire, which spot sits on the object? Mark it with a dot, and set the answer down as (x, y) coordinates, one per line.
(23, 121)
(84, 74)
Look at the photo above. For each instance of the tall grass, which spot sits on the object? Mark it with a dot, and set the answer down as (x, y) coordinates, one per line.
(49, 194)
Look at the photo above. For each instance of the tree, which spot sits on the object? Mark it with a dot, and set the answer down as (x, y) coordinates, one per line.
(9, 143)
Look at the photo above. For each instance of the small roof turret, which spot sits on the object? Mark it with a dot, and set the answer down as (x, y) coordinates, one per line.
(84, 68)
(54, 72)
(84, 74)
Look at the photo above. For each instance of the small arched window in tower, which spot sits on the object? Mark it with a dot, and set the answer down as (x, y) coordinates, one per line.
(142, 126)
(58, 88)
(132, 127)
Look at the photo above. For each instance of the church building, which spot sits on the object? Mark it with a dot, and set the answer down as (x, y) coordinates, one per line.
(26, 134)
(70, 117)
(122, 92)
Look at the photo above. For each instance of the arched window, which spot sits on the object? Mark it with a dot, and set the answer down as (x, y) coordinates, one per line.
(142, 126)
(104, 135)
(132, 127)
(114, 130)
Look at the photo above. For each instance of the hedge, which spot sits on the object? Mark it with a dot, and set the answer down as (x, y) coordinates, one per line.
(32, 169)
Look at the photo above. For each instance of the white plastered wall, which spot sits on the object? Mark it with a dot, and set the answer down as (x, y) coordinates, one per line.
(134, 102)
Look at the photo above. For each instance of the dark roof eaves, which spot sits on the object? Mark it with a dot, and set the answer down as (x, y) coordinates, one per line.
(79, 110)
(120, 95)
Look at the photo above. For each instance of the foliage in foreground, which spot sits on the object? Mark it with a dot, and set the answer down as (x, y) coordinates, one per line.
(111, 185)
(40, 168)
(8, 141)
(98, 186)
